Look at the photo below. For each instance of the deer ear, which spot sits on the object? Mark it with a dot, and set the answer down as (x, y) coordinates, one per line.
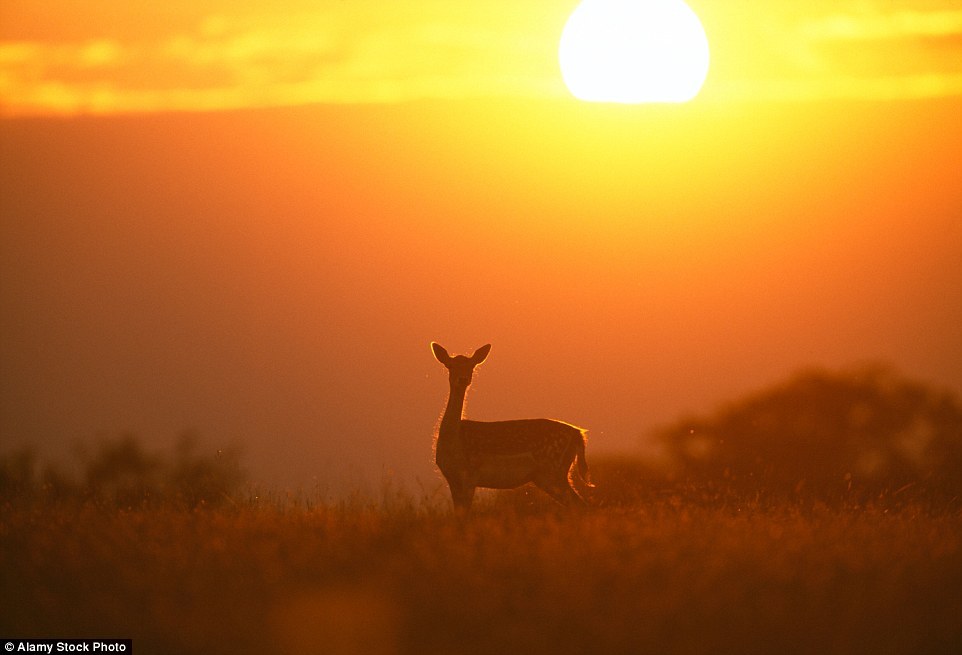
(481, 354)
(440, 353)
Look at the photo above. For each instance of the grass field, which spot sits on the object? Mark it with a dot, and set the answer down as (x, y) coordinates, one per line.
(519, 576)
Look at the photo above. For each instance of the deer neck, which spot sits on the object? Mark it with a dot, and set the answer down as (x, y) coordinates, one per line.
(450, 429)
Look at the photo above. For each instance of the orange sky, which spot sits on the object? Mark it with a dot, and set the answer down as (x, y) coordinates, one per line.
(274, 275)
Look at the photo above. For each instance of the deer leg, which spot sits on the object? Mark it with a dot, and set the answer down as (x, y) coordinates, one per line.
(571, 497)
(462, 494)
(561, 491)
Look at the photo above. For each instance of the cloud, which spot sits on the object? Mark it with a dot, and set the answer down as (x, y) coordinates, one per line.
(849, 50)
(368, 52)
(875, 25)
(844, 87)
(326, 56)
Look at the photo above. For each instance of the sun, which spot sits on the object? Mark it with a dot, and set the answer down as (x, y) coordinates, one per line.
(633, 51)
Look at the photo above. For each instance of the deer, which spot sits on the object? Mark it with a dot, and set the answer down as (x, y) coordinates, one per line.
(503, 454)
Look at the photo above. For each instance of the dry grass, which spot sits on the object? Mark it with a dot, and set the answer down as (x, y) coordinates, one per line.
(664, 577)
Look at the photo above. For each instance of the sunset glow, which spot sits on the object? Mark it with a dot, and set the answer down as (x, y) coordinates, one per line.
(449, 326)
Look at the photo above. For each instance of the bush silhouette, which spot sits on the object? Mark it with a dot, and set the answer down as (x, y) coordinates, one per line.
(195, 479)
(18, 472)
(122, 471)
(828, 433)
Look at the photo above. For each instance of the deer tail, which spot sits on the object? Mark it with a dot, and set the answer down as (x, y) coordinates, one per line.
(582, 461)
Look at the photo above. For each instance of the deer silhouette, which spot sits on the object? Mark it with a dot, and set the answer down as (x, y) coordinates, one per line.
(503, 454)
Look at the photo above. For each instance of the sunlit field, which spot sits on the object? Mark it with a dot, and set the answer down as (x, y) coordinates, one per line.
(675, 570)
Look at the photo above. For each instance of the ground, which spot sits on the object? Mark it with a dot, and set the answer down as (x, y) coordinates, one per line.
(403, 575)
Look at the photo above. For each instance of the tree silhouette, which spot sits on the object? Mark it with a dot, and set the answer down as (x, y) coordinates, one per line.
(828, 432)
